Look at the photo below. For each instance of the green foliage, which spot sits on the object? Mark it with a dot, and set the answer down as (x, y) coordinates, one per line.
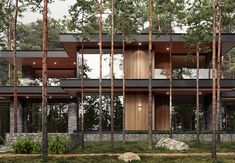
(1, 141)
(23, 145)
(30, 35)
(58, 144)
(83, 18)
(199, 22)
(165, 12)
(36, 146)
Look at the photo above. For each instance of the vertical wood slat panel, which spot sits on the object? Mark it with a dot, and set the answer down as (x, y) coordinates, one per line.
(136, 64)
(162, 112)
(136, 119)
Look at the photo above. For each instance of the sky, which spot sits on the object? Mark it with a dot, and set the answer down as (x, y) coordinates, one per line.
(57, 10)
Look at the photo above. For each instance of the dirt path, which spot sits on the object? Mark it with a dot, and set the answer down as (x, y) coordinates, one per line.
(117, 154)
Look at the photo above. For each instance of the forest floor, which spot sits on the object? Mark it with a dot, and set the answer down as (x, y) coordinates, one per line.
(114, 159)
(142, 147)
(100, 152)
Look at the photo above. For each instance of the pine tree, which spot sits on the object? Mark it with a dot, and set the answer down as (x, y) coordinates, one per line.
(44, 82)
(197, 37)
(15, 68)
(150, 119)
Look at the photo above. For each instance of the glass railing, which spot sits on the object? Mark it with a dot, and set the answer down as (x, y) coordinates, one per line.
(183, 73)
(38, 82)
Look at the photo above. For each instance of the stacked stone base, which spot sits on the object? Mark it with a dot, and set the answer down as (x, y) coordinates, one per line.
(75, 138)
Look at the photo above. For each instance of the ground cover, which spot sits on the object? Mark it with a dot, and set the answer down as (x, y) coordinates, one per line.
(108, 159)
(141, 147)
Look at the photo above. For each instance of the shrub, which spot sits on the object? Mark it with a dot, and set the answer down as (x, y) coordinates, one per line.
(36, 146)
(58, 144)
(1, 141)
(23, 145)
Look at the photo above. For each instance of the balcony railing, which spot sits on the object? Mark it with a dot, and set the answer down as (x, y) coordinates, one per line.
(38, 82)
(183, 73)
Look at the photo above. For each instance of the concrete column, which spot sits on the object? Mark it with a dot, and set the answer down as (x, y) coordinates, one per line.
(72, 117)
(19, 118)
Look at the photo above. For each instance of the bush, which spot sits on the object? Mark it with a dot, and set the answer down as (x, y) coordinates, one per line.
(58, 144)
(1, 141)
(36, 147)
(23, 145)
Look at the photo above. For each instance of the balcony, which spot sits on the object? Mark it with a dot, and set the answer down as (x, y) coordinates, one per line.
(183, 73)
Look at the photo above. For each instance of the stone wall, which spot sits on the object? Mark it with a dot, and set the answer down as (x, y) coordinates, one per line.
(75, 138)
(156, 137)
(72, 117)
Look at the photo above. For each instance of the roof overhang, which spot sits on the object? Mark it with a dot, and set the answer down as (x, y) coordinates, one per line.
(74, 41)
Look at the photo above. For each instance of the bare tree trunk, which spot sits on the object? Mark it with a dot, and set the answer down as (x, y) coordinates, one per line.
(44, 82)
(100, 81)
(82, 82)
(197, 97)
(170, 93)
(123, 90)
(219, 75)
(214, 83)
(150, 118)
(9, 48)
(15, 68)
(112, 80)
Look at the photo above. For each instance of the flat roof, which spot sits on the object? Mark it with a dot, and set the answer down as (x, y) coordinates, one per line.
(142, 37)
(33, 54)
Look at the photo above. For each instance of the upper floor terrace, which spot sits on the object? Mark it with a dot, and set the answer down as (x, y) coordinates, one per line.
(67, 64)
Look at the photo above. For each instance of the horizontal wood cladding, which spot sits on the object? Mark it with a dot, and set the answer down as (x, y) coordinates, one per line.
(136, 64)
(162, 112)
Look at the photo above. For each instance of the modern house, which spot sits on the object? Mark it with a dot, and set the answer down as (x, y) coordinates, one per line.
(64, 66)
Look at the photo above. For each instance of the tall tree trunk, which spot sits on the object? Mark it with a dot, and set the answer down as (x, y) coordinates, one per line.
(123, 90)
(44, 82)
(9, 48)
(82, 82)
(15, 68)
(150, 118)
(197, 97)
(219, 75)
(112, 79)
(214, 83)
(170, 93)
(100, 81)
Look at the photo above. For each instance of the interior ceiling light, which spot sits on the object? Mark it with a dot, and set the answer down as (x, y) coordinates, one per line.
(27, 96)
(167, 48)
(34, 63)
(55, 63)
(139, 43)
(71, 96)
(74, 63)
(50, 97)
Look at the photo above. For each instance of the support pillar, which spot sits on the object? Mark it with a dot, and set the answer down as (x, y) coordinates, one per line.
(72, 117)
(19, 118)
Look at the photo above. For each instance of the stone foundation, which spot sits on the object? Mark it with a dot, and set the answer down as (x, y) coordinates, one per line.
(75, 138)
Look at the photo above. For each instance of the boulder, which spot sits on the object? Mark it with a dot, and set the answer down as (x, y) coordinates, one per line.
(129, 156)
(172, 144)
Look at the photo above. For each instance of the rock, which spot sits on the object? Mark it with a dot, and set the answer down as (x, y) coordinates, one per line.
(129, 156)
(172, 144)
